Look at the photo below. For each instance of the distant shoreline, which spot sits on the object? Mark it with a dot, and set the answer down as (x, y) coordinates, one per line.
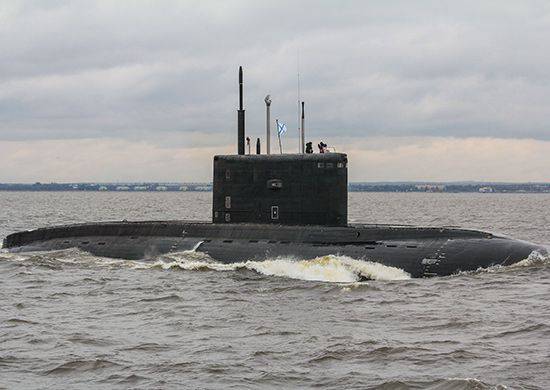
(454, 187)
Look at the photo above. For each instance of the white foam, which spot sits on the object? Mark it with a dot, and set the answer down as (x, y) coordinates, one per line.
(341, 269)
(196, 246)
(331, 268)
(534, 259)
(5, 255)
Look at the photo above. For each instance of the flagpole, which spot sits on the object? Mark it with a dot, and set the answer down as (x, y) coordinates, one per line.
(279, 136)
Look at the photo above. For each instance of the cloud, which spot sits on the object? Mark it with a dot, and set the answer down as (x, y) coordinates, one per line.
(103, 160)
(449, 159)
(375, 159)
(167, 71)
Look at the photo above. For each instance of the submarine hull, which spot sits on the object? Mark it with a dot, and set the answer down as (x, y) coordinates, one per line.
(420, 251)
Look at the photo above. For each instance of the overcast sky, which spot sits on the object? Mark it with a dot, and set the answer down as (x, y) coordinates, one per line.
(147, 90)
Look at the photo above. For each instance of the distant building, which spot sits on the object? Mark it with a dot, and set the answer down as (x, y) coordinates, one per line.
(102, 188)
(184, 188)
(141, 188)
(122, 188)
(485, 190)
(161, 188)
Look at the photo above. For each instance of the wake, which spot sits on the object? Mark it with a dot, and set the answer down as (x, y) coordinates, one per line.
(331, 268)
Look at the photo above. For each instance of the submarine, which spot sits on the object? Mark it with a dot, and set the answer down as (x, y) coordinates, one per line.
(266, 206)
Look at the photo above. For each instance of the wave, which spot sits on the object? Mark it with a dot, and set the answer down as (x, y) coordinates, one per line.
(439, 384)
(331, 268)
(81, 366)
(534, 260)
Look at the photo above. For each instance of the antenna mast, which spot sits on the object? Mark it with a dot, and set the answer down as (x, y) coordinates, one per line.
(302, 126)
(267, 101)
(300, 140)
(240, 115)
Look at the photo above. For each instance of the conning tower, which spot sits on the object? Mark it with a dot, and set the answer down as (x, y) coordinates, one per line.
(286, 189)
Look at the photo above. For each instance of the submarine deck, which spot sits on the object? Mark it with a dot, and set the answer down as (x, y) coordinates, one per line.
(351, 234)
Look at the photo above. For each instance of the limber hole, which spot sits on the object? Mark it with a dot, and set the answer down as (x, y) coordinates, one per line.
(100, 243)
(227, 241)
(412, 246)
(252, 240)
(391, 246)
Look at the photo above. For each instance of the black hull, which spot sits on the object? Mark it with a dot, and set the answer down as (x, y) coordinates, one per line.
(421, 252)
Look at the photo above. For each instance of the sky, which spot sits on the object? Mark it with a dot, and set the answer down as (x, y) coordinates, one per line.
(115, 91)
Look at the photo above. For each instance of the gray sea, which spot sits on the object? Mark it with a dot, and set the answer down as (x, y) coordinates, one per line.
(71, 320)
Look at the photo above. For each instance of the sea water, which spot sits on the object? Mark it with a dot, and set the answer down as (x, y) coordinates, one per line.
(182, 320)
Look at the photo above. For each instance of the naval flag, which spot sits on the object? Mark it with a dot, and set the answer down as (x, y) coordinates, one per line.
(281, 128)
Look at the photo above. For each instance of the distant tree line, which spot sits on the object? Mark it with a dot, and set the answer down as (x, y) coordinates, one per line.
(452, 187)
(119, 187)
(353, 187)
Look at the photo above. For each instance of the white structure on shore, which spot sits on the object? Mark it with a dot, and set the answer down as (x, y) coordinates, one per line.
(485, 190)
